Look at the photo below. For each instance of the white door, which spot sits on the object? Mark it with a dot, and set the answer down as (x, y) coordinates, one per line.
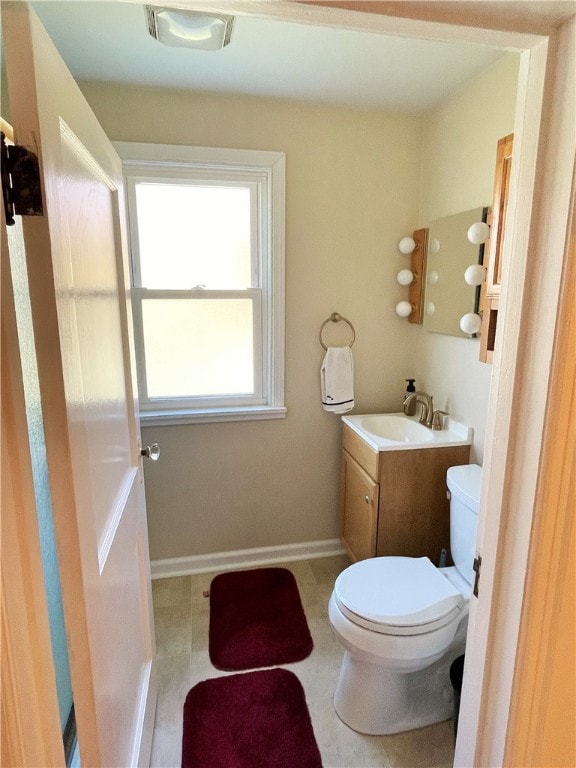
(78, 279)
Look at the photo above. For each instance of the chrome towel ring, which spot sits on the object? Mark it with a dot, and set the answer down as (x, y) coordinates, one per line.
(335, 317)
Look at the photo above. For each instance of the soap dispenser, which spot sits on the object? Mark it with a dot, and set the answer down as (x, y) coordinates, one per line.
(410, 409)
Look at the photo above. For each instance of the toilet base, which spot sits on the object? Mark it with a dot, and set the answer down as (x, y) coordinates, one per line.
(376, 700)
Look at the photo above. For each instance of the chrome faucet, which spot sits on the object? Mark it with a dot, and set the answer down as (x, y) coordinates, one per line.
(428, 416)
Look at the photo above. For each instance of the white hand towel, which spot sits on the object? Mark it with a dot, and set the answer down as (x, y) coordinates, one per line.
(337, 380)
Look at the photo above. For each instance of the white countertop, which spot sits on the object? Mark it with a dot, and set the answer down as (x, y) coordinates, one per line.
(454, 434)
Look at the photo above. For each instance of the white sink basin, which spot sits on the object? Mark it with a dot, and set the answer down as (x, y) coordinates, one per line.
(398, 432)
(395, 427)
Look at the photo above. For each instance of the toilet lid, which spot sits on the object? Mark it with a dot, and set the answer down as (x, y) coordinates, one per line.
(396, 591)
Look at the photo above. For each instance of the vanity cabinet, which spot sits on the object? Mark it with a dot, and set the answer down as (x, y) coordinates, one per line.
(493, 248)
(395, 502)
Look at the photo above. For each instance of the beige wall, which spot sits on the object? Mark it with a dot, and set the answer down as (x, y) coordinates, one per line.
(459, 155)
(352, 190)
(356, 182)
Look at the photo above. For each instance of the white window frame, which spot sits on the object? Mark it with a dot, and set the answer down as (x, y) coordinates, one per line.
(264, 172)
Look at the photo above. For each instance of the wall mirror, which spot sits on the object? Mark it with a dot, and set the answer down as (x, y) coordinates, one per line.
(447, 296)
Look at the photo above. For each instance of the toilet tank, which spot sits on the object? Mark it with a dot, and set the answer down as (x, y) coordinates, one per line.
(464, 484)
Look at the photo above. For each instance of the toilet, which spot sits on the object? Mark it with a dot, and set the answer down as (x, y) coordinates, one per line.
(402, 621)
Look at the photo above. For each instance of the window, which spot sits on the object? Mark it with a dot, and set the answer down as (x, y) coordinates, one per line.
(207, 247)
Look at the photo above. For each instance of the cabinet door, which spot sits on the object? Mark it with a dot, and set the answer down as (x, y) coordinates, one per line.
(414, 518)
(497, 218)
(493, 249)
(360, 510)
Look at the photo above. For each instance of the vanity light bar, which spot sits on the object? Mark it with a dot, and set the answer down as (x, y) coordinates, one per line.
(416, 247)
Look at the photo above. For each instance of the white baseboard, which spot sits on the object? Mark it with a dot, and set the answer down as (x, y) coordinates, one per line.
(244, 558)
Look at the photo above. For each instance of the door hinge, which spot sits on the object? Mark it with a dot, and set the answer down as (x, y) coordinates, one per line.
(476, 568)
(21, 189)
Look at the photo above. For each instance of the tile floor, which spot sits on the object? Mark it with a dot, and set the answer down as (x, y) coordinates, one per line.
(181, 617)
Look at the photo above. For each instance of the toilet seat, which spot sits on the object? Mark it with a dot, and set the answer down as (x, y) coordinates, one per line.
(397, 595)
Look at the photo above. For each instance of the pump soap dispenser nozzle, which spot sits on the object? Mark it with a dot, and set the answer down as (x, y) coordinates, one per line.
(410, 409)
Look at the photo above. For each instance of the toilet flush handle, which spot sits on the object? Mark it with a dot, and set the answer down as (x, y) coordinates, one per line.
(476, 567)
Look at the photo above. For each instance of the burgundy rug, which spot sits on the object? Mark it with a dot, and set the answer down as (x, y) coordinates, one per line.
(253, 720)
(256, 620)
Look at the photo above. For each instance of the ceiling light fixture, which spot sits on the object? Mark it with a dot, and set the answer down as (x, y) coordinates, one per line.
(189, 29)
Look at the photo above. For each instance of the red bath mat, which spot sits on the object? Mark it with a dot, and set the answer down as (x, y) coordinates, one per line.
(256, 620)
(253, 720)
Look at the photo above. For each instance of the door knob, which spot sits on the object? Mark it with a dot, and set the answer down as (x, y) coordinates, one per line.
(151, 452)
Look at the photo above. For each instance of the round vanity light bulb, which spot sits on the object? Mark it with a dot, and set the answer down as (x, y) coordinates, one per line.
(433, 246)
(478, 233)
(403, 308)
(406, 245)
(475, 274)
(470, 323)
(430, 308)
(433, 277)
(405, 277)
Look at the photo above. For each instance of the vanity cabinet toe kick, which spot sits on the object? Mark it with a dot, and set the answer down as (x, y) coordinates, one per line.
(395, 502)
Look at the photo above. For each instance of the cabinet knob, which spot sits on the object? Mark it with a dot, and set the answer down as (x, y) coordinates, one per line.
(367, 499)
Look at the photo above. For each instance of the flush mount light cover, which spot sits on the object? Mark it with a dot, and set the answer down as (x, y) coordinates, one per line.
(189, 29)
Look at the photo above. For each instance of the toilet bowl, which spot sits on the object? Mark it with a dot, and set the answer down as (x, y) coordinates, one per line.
(401, 622)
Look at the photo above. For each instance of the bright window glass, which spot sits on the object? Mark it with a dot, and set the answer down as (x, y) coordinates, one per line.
(198, 348)
(193, 236)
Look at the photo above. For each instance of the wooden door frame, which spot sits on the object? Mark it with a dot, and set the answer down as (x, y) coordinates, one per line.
(30, 719)
(543, 717)
(47, 339)
(529, 304)
(24, 25)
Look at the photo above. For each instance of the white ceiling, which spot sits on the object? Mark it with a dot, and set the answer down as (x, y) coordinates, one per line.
(109, 41)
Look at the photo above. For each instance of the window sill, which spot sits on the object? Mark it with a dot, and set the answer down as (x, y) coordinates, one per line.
(207, 415)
